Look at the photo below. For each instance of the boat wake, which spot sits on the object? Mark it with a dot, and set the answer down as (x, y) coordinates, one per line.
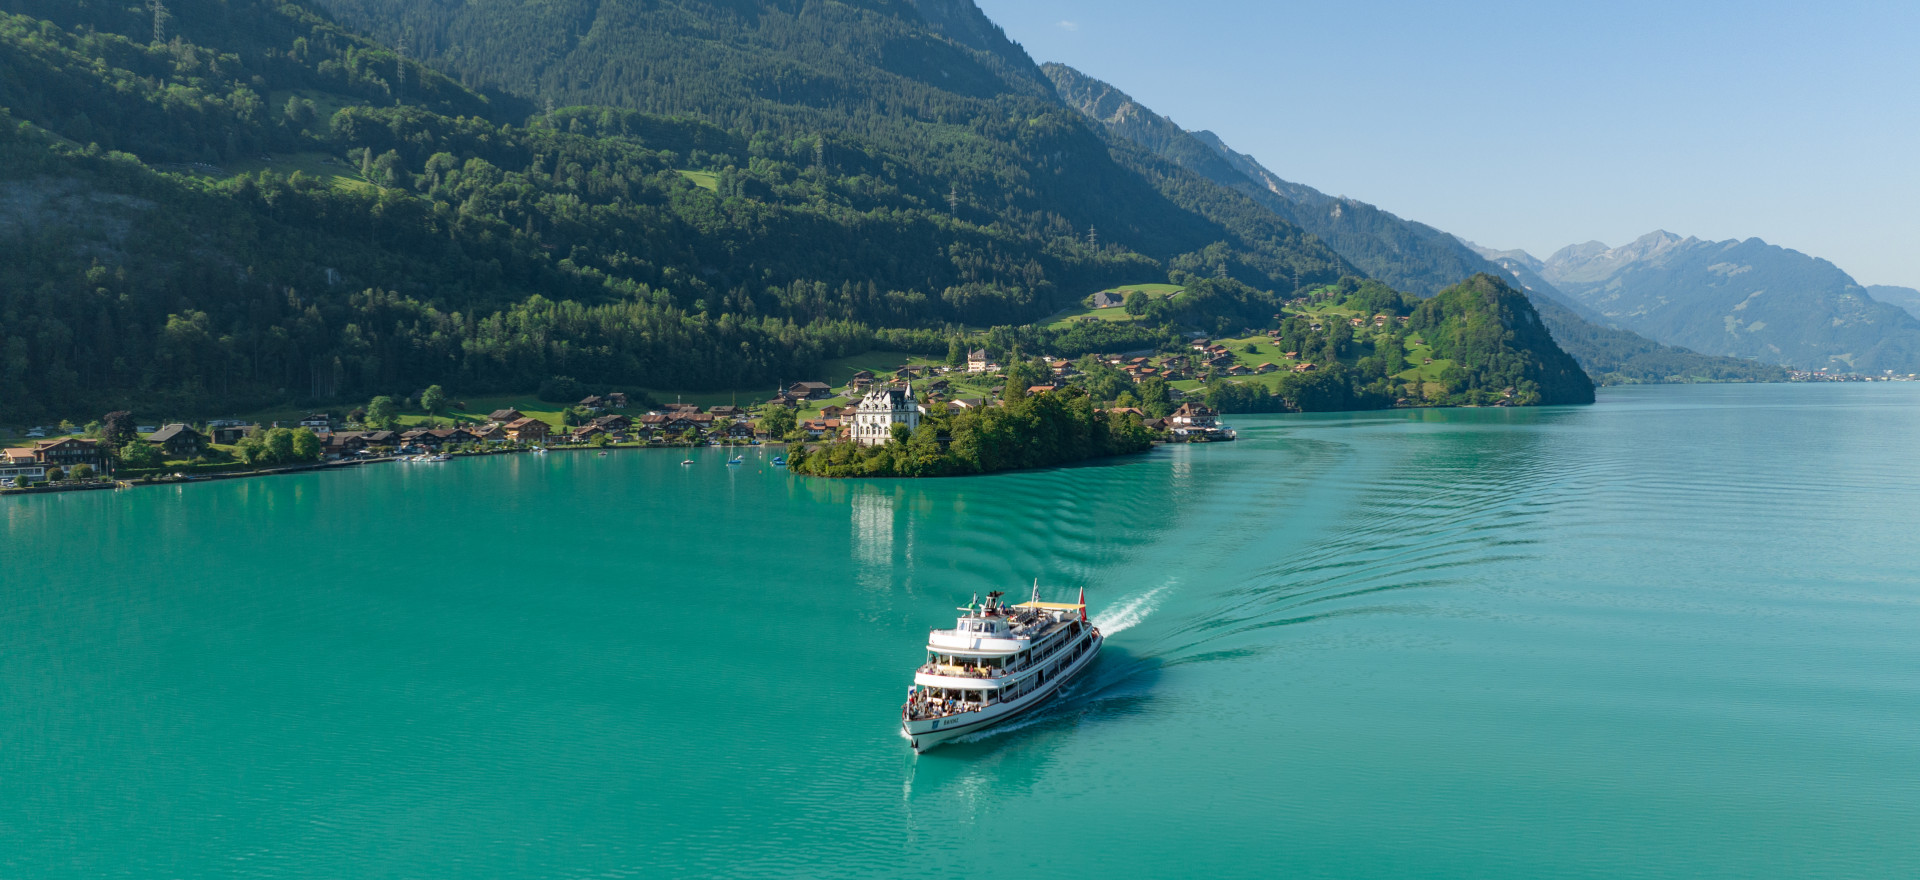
(1125, 615)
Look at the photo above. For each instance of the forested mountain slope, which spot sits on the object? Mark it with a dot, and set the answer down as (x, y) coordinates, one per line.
(1408, 255)
(1742, 298)
(299, 213)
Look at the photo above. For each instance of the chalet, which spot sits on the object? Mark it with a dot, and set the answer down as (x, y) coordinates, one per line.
(864, 374)
(977, 362)
(1307, 367)
(809, 391)
(859, 385)
(906, 374)
(938, 386)
(617, 400)
(653, 422)
(227, 435)
(179, 441)
(1060, 368)
(1380, 320)
(1293, 354)
(584, 433)
(503, 416)
(739, 431)
(1107, 299)
(381, 438)
(489, 433)
(1201, 344)
(1238, 370)
(1403, 318)
(727, 411)
(345, 443)
(421, 437)
(832, 412)
(683, 407)
(69, 452)
(1355, 322)
(455, 436)
(1265, 368)
(1041, 389)
(613, 424)
(1192, 417)
(321, 423)
(966, 403)
(1158, 426)
(20, 466)
(593, 403)
(526, 430)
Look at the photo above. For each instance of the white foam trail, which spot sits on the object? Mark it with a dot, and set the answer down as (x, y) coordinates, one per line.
(1123, 616)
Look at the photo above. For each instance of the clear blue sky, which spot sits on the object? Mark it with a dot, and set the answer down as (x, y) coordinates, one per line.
(1538, 125)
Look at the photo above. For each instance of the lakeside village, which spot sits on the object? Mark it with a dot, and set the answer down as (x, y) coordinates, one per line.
(868, 409)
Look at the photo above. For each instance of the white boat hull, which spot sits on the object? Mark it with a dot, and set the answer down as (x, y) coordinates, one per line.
(926, 733)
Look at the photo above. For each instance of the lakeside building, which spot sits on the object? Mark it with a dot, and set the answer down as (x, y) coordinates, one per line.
(179, 441)
(19, 464)
(70, 452)
(880, 410)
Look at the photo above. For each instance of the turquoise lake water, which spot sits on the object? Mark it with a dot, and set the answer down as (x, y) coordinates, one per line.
(1675, 634)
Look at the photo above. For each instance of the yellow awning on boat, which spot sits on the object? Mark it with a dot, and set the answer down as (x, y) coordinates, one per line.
(1051, 606)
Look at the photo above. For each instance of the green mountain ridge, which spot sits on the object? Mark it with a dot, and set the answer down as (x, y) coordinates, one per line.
(1740, 298)
(263, 206)
(1407, 255)
(288, 224)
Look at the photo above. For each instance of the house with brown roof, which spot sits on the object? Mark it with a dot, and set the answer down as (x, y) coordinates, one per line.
(727, 411)
(69, 452)
(977, 361)
(809, 391)
(1193, 418)
(1265, 368)
(503, 416)
(344, 443)
(613, 424)
(179, 441)
(526, 430)
(489, 433)
(593, 403)
(1305, 368)
(617, 400)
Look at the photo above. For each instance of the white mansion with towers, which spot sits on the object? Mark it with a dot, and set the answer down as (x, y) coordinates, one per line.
(880, 410)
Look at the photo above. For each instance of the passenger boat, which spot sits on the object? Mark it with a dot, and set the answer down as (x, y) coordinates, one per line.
(997, 662)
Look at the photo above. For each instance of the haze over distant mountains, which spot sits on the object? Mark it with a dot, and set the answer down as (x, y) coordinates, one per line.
(1739, 298)
(1410, 256)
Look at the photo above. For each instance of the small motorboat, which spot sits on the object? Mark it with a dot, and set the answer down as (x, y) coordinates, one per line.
(603, 455)
(779, 461)
(735, 460)
(686, 463)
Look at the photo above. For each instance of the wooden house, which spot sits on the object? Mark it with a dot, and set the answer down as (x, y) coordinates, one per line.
(525, 430)
(179, 441)
(503, 416)
(68, 452)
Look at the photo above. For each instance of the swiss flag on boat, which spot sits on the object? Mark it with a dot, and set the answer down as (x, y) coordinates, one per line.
(1083, 604)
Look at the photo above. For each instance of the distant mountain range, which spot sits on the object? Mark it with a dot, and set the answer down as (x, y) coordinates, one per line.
(1904, 297)
(1410, 256)
(1744, 299)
